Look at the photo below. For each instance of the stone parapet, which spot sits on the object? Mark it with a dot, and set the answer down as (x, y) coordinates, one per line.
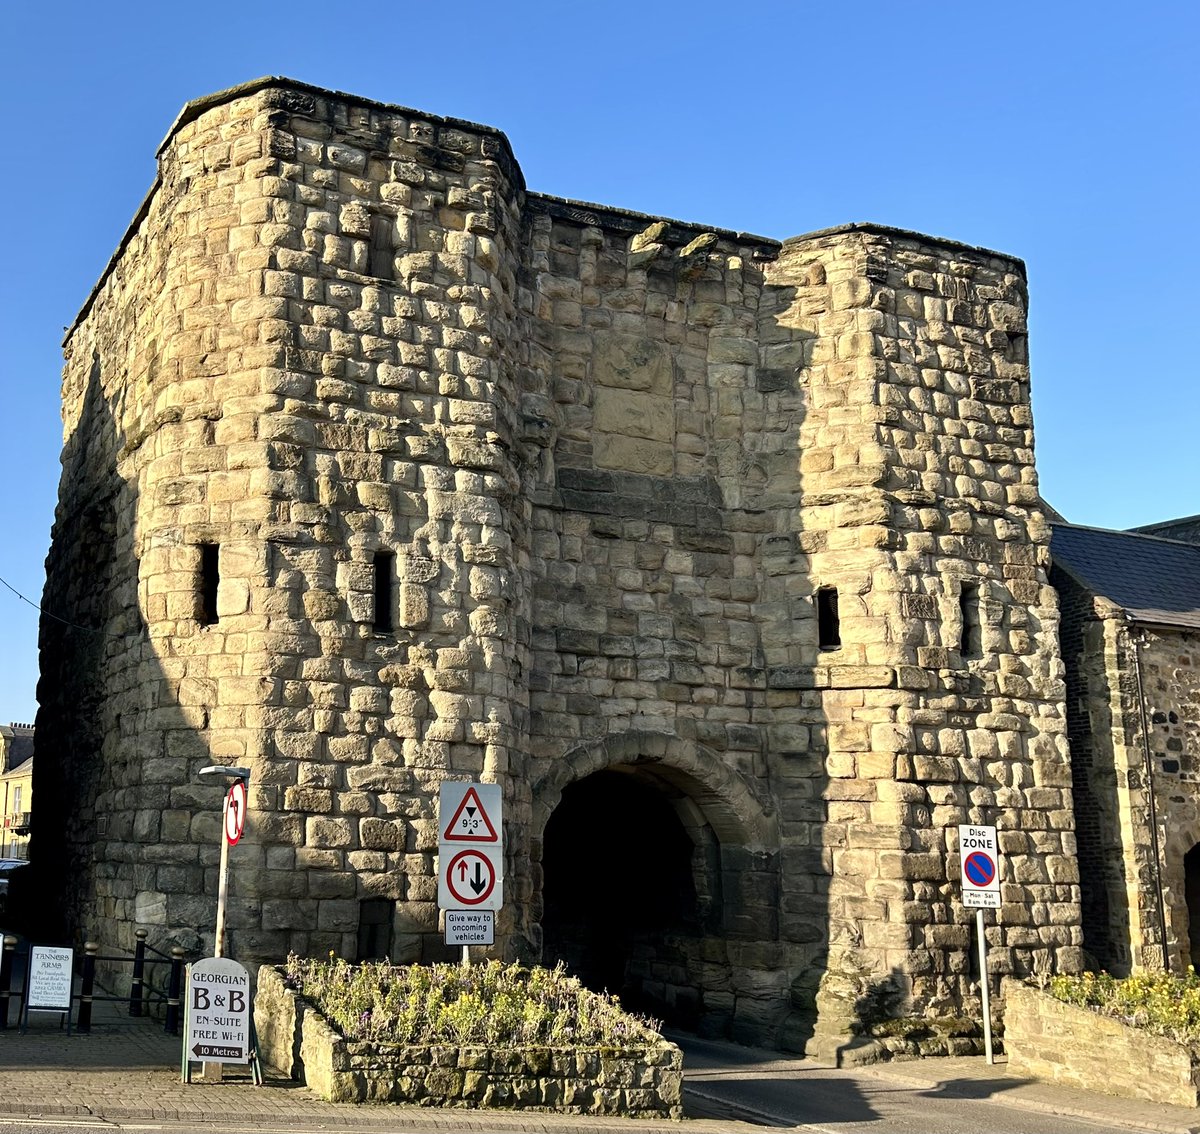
(1061, 1043)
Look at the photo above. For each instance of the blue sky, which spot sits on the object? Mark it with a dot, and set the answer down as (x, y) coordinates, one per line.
(1064, 133)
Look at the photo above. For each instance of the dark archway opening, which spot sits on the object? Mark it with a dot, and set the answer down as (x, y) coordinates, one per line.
(630, 890)
(1191, 890)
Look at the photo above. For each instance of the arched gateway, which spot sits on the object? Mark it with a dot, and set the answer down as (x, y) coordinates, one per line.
(657, 862)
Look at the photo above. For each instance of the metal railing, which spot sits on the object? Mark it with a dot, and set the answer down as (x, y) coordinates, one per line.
(142, 997)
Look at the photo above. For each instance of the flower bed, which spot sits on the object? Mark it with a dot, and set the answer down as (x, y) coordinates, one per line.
(1157, 1002)
(489, 1036)
(1077, 1045)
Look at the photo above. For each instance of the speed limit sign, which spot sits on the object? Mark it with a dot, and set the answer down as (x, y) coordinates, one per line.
(235, 811)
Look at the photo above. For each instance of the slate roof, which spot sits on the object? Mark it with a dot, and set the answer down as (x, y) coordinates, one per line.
(19, 750)
(1186, 528)
(1154, 580)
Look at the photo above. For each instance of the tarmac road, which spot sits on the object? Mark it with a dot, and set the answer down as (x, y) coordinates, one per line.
(731, 1082)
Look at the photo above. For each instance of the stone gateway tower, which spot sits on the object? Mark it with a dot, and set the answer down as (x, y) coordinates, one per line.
(723, 557)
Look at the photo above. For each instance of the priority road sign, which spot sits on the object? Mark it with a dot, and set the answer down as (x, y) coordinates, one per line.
(471, 878)
(979, 864)
(469, 813)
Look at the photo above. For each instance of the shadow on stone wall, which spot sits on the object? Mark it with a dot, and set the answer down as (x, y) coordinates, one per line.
(72, 719)
(1100, 834)
(118, 803)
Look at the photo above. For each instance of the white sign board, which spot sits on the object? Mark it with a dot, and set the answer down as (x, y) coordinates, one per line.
(470, 927)
(469, 815)
(49, 979)
(471, 879)
(218, 1012)
(470, 847)
(235, 811)
(979, 866)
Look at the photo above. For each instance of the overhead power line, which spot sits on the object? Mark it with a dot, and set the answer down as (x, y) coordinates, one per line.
(48, 613)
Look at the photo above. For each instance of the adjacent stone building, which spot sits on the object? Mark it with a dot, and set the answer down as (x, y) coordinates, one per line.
(1131, 644)
(723, 556)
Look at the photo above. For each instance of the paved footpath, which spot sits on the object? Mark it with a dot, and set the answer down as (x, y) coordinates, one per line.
(128, 1070)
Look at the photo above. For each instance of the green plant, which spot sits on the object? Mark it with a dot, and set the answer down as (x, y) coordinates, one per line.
(1162, 1003)
(489, 1004)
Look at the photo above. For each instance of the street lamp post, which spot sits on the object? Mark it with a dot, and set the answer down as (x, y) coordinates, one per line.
(237, 776)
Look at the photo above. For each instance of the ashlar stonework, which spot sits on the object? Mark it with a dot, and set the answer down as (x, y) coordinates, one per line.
(741, 538)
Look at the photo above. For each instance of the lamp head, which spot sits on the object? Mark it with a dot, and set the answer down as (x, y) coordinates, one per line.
(226, 770)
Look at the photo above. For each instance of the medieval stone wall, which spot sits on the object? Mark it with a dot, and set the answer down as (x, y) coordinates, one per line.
(607, 466)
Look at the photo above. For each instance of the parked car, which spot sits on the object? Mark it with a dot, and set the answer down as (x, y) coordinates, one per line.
(8, 866)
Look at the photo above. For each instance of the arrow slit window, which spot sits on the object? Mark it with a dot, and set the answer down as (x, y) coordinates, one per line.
(384, 571)
(381, 254)
(971, 641)
(208, 584)
(829, 627)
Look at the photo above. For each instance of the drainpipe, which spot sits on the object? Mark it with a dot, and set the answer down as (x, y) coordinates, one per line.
(1137, 634)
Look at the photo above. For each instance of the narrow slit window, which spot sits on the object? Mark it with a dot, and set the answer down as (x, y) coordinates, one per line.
(971, 644)
(210, 580)
(384, 573)
(375, 917)
(381, 255)
(829, 628)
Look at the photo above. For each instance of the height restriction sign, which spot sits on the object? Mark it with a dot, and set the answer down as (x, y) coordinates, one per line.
(469, 814)
(979, 863)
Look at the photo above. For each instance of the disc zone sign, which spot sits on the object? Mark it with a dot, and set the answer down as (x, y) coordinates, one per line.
(471, 879)
(979, 855)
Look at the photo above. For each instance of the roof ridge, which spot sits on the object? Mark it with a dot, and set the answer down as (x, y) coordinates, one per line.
(1133, 534)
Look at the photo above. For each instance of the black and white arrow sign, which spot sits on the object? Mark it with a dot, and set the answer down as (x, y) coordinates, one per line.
(470, 879)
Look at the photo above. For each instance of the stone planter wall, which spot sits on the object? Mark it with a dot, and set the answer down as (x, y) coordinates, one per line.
(294, 1037)
(1060, 1043)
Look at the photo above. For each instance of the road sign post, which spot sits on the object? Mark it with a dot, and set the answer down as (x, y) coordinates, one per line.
(233, 823)
(233, 820)
(470, 861)
(979, 867)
